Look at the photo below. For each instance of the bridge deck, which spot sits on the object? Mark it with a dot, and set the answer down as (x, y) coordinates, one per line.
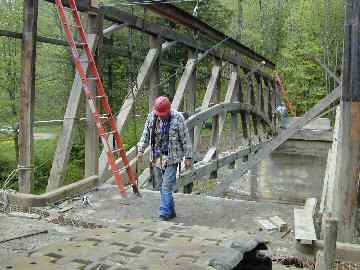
(203, 223)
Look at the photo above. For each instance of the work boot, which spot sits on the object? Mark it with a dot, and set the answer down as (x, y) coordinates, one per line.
(165, 218)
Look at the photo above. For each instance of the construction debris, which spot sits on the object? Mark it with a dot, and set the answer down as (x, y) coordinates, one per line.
(266, 224)
(23, 236)
(281, 224)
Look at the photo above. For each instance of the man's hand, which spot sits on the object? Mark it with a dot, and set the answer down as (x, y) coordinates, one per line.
(188, 163)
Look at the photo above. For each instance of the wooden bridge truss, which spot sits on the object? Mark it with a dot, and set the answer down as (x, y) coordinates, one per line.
(250, 99)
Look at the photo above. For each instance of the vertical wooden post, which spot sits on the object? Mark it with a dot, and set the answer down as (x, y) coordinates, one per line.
(269, 104)
(95, 26)
(190, 94)
(27, 97)
(235, 116)
(154, 77)
(260, 104)
(251, 96)
(330, 243)
(215, 125)
(189, 107)
(244, 115)
(347, 176)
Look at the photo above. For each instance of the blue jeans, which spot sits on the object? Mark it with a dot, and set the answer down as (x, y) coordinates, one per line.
(166, 181)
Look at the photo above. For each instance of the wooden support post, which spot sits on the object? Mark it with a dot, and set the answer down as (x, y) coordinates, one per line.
(189, 107)
(347, 176)
(27, 97)
(330, 243)
(211, 88)
(260, 104)
(269, 103)
(244, 115)
(235, 115)
(154, 77)
(190, 94)
(64, 145)
(251, 96)
(215, 126)
(95, 26)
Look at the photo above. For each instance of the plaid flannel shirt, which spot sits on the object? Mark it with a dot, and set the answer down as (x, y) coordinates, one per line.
(179, 138)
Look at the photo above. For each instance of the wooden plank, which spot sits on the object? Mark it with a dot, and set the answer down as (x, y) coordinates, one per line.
(266, 224)
(210, 90)
(279, 223)
(154, 77)
(64, 145)
(26, 160)
(251, 95)
(304, 226)
(184, 83)
(24, 215)
(310, 205)
(222, 117)
(327, 196)
(282, 137)
(125, 111)
(190, 95)
(107, 32)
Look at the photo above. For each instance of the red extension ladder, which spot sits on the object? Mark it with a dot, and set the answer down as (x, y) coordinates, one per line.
(98, 100)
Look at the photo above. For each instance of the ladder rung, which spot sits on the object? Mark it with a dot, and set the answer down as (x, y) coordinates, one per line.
(104, 116)
(108, 133)
(84, 60)
(92, 78)
(69, 9)
(73, 25)
(104, 96)
(116, 151)
(81, 44)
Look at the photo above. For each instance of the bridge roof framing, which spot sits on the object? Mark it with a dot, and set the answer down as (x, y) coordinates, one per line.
(118, 16)
(178, 15)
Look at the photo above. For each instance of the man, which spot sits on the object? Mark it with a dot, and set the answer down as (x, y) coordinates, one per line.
(168, 135)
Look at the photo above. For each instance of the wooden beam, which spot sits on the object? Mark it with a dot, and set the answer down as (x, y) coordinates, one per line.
(210, 90)
(233, 82)
(222, 108)
(107, 32)
(184, 83)
(283, 136)
(304, 226)
(118, 16)
(154, 77)
(27, 97)
(62, 153)
(126, 108)
(347, 176)
(328, 193)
